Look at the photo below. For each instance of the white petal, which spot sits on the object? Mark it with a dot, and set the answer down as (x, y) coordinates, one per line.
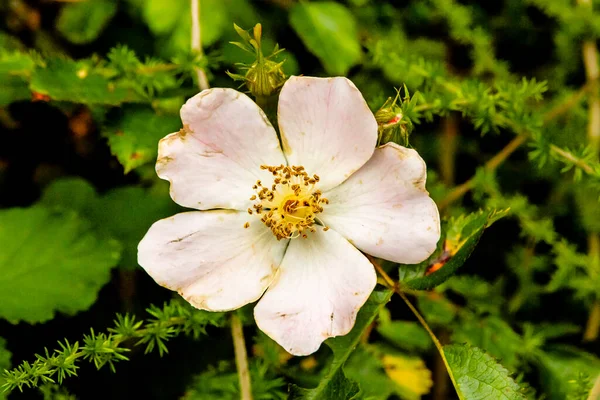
(211, 259)
(384, 209)
(326, 126)
(215, 159)
(322, 283)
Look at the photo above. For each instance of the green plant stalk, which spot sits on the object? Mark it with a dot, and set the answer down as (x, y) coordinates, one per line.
(56, 366)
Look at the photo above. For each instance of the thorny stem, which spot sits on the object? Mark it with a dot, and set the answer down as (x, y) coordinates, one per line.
(391, 284)
(241, 357)
(514, 144)
(197, 43)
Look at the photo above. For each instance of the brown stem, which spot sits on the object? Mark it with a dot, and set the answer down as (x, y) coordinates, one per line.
(241, 357)
(447, 151)
(491, 165)
(499, 158)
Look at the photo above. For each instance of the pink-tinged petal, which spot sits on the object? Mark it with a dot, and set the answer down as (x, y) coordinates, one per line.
(384, 208)
(326, 126)
(215, 159)
(322, 283)
(211, 259)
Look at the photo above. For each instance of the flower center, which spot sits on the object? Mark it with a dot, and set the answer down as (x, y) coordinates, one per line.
(290, 204)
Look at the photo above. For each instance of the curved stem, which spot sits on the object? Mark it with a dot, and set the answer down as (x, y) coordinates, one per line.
(241, 357)
(396, 288)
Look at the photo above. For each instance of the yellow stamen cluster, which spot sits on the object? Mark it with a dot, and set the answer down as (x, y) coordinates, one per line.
(290, 204)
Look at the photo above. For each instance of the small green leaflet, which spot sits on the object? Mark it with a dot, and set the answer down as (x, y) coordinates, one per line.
(80, 82)
(462, 235)
(477, 376)
(134, 139)
(334, 384)
(4, 364)
(50, 261)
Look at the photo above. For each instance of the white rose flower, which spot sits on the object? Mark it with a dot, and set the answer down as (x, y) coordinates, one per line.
(287, 227)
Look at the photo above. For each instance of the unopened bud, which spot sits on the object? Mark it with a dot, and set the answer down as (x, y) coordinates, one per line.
(392, 126)
(263, 77)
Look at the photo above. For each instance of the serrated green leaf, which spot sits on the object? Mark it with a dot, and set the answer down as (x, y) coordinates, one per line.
(559, 365)
(82, 22)
(4, 364)
(335, 384)
(134, 138)
(72, 81)
(462, 237)
(124, 214)
(50, 261)
(478, 376)
(329, 31)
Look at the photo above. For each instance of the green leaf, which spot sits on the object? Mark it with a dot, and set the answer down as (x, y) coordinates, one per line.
(478, 376)
(329, 31)
(123, 213)
(82, 22)
(462, 236)
(78, 82)
(335, 384)
(4, 364)
(406, 335)
(492, 334)
(50, 261)
(134, 139)
(559, 366)
(127, 213)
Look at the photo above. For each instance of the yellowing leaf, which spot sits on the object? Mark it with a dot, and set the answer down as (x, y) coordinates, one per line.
(409, 373)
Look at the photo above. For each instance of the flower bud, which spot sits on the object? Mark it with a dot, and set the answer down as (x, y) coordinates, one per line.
(392, 126)
(263, 77)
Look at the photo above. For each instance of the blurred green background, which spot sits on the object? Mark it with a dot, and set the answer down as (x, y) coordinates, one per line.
(88, 87)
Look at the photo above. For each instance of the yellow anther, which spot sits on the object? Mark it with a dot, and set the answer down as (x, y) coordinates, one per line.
(292, 202)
